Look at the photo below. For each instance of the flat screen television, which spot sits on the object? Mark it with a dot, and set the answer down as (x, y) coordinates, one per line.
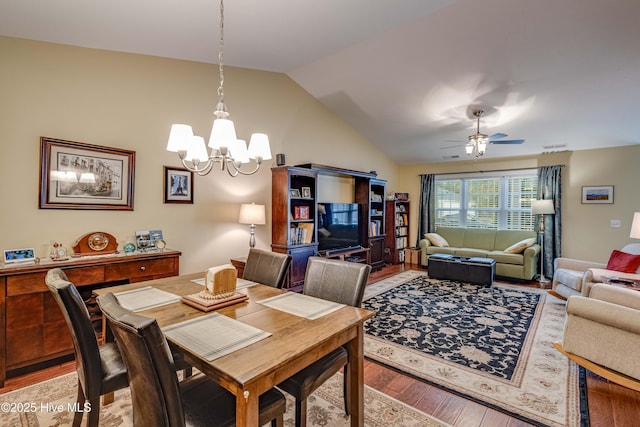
(338, 226)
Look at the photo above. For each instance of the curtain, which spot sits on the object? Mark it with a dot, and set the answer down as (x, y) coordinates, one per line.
(550, 187)
(426, 211)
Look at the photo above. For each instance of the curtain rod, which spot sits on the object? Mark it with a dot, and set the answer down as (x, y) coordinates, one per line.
(495, 170)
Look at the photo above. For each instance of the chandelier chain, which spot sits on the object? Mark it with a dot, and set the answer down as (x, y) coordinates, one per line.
(221, 54)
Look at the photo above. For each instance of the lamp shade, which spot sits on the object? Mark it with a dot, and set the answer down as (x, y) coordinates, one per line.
(542, 207)
(196, 149)
(252, 214)
(259, 146)
(179, 138)
(635, 226)
(223, 134)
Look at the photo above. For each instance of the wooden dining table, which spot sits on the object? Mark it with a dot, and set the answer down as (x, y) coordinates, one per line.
(295, 343)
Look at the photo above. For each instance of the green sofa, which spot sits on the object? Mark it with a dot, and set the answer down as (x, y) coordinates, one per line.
(487, 243)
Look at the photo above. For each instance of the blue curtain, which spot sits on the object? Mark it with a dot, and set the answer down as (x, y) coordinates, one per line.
(426, 211)
(550, 187)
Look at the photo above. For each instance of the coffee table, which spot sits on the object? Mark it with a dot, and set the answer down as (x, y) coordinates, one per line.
(475, 270)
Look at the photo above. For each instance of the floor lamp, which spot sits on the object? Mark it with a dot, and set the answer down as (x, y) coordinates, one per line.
(542, 208)
(252, 214)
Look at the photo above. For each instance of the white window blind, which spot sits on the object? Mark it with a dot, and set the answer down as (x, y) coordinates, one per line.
(483, 201)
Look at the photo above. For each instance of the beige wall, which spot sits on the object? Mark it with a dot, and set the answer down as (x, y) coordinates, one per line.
(586, 227)
(130, 101)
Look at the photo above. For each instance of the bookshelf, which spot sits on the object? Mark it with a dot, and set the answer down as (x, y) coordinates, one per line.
(397, 237)
(370, 192)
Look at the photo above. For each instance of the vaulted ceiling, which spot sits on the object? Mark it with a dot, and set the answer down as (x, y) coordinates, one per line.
(407, 74)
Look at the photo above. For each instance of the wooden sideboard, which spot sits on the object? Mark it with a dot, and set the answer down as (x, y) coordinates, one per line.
(33, 330)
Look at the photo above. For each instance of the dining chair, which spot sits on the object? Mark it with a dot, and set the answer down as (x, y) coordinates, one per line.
(267, 268)
(338, 281)
(100, 367)
(157, 397)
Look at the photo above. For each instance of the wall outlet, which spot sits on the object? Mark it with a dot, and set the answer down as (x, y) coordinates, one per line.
(615, 223)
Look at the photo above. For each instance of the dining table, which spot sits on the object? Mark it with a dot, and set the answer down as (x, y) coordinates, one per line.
(287, 339)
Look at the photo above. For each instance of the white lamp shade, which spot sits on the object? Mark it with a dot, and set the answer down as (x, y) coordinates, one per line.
(259, 146)
(635, 226)
(87, 178)
(252, 214)
(179, 137)
(542, 207)
(239, 151)
(197, 150)
(223, 134)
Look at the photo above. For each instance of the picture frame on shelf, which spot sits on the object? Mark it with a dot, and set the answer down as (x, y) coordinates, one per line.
(301, 212)
(178, 185)
(77, 175)
(14, 256)
(294, 192)
(148, 240)
(601, 194)
(306, 192)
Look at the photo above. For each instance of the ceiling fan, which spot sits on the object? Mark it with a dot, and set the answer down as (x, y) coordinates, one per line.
(477, 143)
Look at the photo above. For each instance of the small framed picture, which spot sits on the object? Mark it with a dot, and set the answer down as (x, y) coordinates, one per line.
(294, 192)
(306, 192)
(178, 185)
(301, 212)
(602, 194)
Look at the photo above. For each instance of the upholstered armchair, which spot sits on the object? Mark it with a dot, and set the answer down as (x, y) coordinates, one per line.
(602, 333)
(576, 277)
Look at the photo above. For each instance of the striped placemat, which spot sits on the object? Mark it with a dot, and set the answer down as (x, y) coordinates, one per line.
(301, 305)
(145, 298)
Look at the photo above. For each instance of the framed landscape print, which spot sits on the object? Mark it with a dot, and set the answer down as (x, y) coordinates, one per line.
(178, 185)
(597, 194)
(75, 175)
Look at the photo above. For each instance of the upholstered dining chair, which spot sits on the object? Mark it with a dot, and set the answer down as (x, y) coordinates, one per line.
(100, 368)
(267, 268)
(157, 397)
(338, 281)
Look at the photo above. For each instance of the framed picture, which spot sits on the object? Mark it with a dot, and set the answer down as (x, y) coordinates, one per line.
(301, 212)
(306, 192)
(294, 192)
(75, 175)
(597, 194)
(178, 185)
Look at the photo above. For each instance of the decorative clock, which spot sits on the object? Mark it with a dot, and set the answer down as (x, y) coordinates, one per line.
(95, 243)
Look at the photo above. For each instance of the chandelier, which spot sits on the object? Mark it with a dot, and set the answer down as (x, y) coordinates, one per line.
(226, 149)
(477, 144)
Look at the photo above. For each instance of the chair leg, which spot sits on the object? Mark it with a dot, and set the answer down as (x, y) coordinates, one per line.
(94, 414)
(108, 398)
(77, 417)
(278, 422)
(346, 389)
(187, 372)
(301, 412)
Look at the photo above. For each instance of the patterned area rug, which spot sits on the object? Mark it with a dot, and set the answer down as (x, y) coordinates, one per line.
(45, 404)
(490, 344)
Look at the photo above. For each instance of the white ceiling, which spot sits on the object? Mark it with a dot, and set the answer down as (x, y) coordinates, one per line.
(562, 74)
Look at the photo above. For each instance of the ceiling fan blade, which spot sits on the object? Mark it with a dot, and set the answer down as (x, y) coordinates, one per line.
(497, 136)
(452, 146)
(508, 141)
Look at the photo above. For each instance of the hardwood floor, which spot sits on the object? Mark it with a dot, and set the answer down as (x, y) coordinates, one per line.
(610, 405)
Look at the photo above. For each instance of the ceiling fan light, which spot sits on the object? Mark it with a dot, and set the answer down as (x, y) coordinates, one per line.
(469, 148)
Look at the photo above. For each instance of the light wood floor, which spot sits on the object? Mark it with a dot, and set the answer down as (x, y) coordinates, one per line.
(610, 405)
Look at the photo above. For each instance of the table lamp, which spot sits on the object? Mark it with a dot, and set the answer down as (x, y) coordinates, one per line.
(542, 208)
(252, 214)
(635, 230)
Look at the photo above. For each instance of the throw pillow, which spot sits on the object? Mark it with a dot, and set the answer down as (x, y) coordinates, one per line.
(624, 262)
(436, 240)
(518, 248)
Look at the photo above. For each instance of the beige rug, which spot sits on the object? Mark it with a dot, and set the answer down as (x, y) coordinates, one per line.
(45, 404)
(545, 388)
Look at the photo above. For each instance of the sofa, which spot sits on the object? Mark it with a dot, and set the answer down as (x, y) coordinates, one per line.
(488, 243)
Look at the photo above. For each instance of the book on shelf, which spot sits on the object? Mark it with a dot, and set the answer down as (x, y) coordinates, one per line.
(302, 234)
(375, 227)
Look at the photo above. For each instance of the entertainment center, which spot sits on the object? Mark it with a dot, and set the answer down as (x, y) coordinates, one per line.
(303, 226)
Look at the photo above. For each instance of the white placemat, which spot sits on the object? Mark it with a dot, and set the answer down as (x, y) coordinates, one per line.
(301, 305)
(214, 335)
(240, 283)
(145, 298)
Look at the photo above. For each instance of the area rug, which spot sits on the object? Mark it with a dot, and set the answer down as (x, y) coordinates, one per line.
(492, 345)
(45, 404)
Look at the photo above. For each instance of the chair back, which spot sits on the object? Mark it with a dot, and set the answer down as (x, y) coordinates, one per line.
(85, 343)
(335, 280)
(267, 268)
(155, 391)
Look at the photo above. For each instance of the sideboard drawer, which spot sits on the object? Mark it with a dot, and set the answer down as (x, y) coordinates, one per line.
(147, 268)
(34, 282)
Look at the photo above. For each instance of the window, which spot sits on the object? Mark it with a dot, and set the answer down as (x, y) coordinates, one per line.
(481, 201)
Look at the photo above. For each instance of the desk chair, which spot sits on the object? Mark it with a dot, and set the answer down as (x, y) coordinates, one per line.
(338, 281)
(158, 398)
(100, 368)
(267, 268)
